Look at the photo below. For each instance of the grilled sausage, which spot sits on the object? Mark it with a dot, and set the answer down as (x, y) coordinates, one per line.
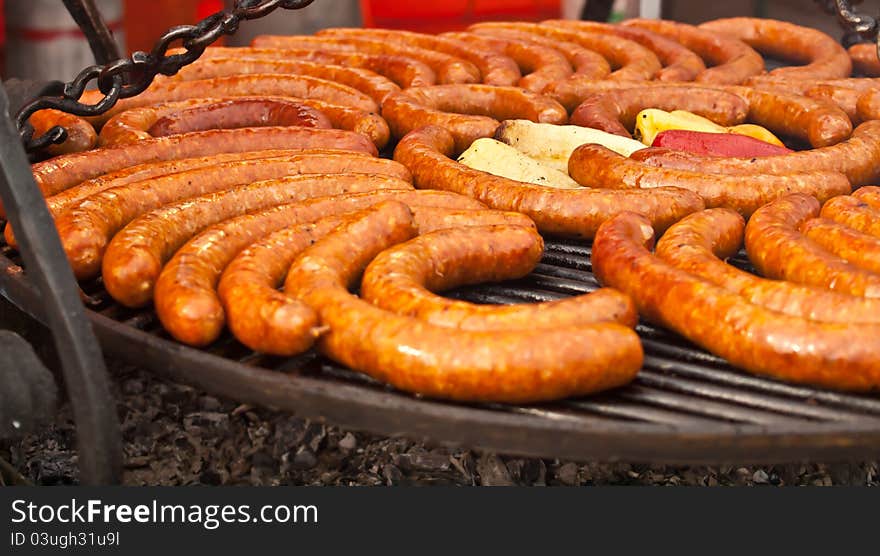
(864, 59)
(573, 212)
(81, 136)
(868, 105)
(870, 194)
(855, 247)
(853, 212)
(779, 250)
(467, 111)
(761, 341)
(597, 166)
(501, 366)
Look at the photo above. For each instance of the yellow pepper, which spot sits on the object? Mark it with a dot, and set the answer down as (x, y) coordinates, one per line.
(652, 121)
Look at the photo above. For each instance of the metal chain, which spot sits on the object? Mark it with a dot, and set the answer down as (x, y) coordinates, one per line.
(128, 77)
(859, 27)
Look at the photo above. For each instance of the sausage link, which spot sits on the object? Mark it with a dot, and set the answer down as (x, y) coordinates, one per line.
(81, 136)
(861, 250)
(822, 57)
(730, 61)
(761, 341)
(868, 106)
(864, 59)
(701, 242)
(135, 256)
(778, 250)
(615, 111)
(185, 296)
(597, 166)
(870, 194)
(402, 279)
(853, 212)
(573, 212)
(501, 366)
(469, 112)
(679, 63)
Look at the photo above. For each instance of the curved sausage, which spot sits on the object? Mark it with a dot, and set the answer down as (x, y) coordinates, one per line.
(730, 60)
(779, 250)
(761, 341)
(270, 321)
(615, 111)
(81, 136)
(573, 212)
(822, 56)
(853, 212)
(467, 111)
(597, 166)
(679, 63)
(495, 69)
(135, 256)
(857, 248)
(864, 59)
(701, 242)
(868, 105)
(401, 280)
(870, 194)
(501, 366)
(185, 297)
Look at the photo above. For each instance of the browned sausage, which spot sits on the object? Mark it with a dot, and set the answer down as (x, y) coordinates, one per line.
(467, 111)
(573, 212)
(597, 166)
(822, 56)
(495, 69)
(864, 59)
(81, 136)
(679, 63)
(615, 111)
(449, 69)
(730, 60)
(869, 194)
(88, 227)
(701, 242)
(868, 105)
(270, 321)
(501, 366)
(185, 296)
(135, 256)
(402, 278)
(850, 245)
(778, 250)
(844, 93)
(759, 340)
(629, 60)
(853, 212)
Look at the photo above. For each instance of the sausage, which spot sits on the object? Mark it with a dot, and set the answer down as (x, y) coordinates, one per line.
(402, 278)
(88, 227)
(630, 60)
(857, 248)
(499, 366)
(539, 65)
(853, 212)
(842, 92)
(81, 136)
(701, 242)
(598, 166)
(448, 69)
(467, 111)
(864, 59)
(495, 69)
(761, 341)
(270, 321)
(679, 63)
(778, 250)
(572, 212)
(58, 174)
(135, 256)
(237, 113)
(405, 72)
(822, 57)
(868, 105)
(855, 157)
(615, 111)
(870, 194)
(584, 62)
(185, 297)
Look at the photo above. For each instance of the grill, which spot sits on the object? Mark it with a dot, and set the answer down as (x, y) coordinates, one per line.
(686, 406)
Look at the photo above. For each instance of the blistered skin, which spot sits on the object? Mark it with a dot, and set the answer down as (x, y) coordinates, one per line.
(864, 59)
(270, 321)
(574, 212)
(730, 61)
(185, 296)
(234, 114)
(81, 136)
(500, 366)
(597, 166)
(855, 247)
(469, 112)
(401, 279)
(761, 341)
(701, 242)
(615, 111)
(822, 57)
(853, 212)
(779, 250)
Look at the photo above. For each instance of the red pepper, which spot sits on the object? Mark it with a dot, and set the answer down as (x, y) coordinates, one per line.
(716, 144)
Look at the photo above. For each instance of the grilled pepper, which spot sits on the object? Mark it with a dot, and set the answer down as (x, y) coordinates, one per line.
(652, 121)
(716, 144)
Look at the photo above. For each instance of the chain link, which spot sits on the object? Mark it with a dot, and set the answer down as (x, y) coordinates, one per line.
(128, 77)
(858, 27)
